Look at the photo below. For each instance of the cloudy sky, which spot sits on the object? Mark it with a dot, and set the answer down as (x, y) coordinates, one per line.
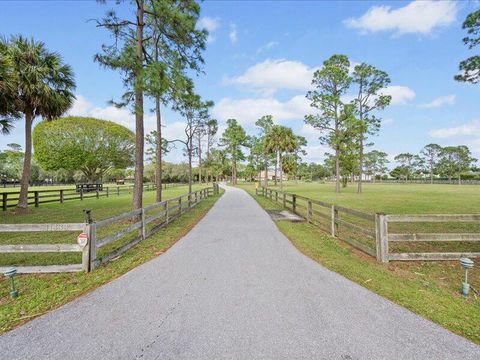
(261, 56)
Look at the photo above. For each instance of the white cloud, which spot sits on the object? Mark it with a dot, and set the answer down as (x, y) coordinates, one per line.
(209, 24)
(400, 94)
(439, 101)
(272, 75)
(233, 34)
(247, 111)
(421, 17)
(267, 46)
(471, 128)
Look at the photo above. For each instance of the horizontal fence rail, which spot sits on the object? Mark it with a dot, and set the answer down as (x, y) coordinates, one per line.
(140, 223)
(369, 232)
(9, 199)
(431, 237)
(47, 248)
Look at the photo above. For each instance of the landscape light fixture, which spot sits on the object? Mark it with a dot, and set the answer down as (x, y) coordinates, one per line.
(10, 273)
(466, 263)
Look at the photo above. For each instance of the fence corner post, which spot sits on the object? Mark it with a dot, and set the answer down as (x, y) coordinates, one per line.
(381, 237)
(294, 203)
(89, 253)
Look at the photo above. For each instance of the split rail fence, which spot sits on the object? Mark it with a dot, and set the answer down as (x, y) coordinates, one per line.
(370, 233)
(9, 199)
(105, 239)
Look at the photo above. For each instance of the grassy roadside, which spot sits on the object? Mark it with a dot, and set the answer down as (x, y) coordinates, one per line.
(430, 289)
(39, 294)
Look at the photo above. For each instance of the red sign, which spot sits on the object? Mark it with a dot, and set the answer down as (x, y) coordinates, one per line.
(82, 239)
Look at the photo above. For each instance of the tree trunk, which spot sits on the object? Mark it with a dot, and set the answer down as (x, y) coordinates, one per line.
(431, 173)
(137, 200)
(265, 179)
(281, 170)
(337, 169)
(360, 166)
(22, 206)
(158, 153)
(199, 159)
(276, 169)
(190, 155)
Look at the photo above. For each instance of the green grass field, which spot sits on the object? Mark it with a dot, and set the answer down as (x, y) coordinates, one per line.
(395, 198)
(401, 199)
(40, 293)
(72, 212)
(53, 187)
(430, 289)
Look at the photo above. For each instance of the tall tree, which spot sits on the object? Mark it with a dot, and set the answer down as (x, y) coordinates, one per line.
(196, 114)
(152, 49)
(211, 130)
(8, 113)
(43, 88)
(454, 160)
(233, 139)
(408, 163)
(280, 140)
(370, 82)
(430, 154)
(376, 163)
(331, 83)
(470, 68)
(265, 124)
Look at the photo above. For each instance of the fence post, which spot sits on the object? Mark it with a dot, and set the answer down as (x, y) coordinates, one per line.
(276, 196)
(294, 203)
(180, 205)
(142, 219)
(309, 211)
(4, 201)
(36, 198)
(334, 215)
(167, 215)
(107, 190)
(61, 196)
(97, 193)
(381, 237)
(81, 193)
(284, 200)
(118, 190)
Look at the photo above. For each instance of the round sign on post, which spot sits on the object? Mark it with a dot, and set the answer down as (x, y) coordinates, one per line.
(82, 239)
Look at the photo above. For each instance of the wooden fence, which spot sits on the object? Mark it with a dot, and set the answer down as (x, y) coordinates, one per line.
(141, 224)
(9, 199)
(369, 232)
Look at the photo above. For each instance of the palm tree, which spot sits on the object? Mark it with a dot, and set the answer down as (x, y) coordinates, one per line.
(7, 93)
(279, 140)
(42, 86)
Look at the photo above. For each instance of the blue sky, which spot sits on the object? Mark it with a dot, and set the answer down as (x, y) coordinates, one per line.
(261, 55)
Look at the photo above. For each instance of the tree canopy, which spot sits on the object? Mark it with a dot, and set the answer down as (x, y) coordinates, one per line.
(87, 144)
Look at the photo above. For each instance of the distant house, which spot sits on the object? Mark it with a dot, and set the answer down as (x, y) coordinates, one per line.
(271, 175)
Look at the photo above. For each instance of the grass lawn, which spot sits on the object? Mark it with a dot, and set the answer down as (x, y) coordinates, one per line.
(430, 289)
(71, 211)
(40, 293)
(403, 199)
(52, 187)
(395, 198)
